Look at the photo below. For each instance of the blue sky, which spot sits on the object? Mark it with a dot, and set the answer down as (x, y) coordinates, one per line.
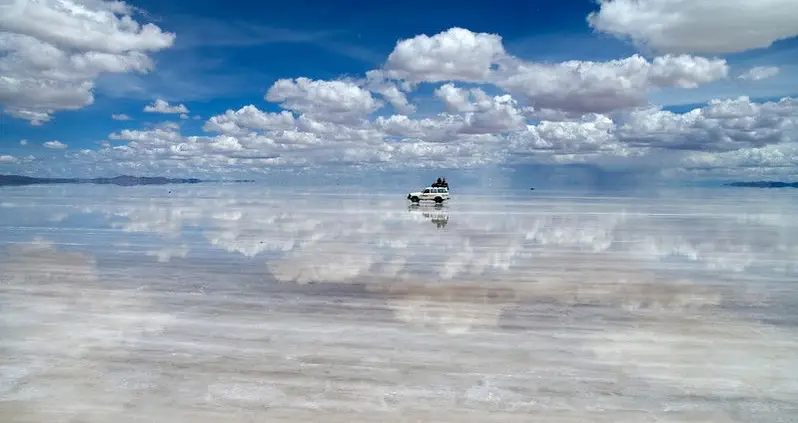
(224, 58)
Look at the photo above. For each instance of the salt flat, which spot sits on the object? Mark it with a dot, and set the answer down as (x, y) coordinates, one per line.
(243, 303)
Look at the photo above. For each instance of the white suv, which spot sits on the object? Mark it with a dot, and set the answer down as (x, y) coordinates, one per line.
(436, 194)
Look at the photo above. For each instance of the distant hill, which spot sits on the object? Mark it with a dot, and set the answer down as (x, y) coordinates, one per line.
(122, 180)
(764, 184)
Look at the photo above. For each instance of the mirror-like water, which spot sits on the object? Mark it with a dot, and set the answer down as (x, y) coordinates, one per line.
(240, 303)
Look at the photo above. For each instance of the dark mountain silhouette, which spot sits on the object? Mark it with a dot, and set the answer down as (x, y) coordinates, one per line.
(122, 180)
(764, 184)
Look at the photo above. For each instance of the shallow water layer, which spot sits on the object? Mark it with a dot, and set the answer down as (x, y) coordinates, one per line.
(244, 303)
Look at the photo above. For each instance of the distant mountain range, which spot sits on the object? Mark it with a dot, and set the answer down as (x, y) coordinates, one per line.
(764, 184)
(122, 180)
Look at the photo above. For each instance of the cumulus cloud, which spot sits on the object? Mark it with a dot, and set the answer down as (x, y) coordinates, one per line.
(724, 125)
(575, 86)
(477, 130)
(701, 27)
(753, 162)
(9, 159)
(601, 87)
(251, 139)
(162, 106)
(592, 133)
(759, 73)
(393, 95)
(120, 116)
(55, 145)
(487, 108)
(482, 113)
(456, 54)
(53, 51)
(333, 101)
(249, 118)
(23, 142)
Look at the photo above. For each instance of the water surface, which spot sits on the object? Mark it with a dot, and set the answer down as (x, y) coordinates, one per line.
(243, 303)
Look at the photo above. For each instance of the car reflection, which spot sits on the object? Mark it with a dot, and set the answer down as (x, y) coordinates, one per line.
(437, 213)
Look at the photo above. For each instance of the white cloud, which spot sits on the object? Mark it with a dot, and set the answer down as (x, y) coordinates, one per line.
(121, 116)
(162, 106)
(456, 54)
(759, 73)
(55, 145)
(592, 133)
(23, 142)
(333, 101)
(253, 140)
(249, 118)
(393, 95)
(55, 49)
(701, 27)
(573, 86)
(5, 158)
(483, 114)
(724, 125)
(478, 130)
(487, 108)
(600, 87)
(455, 99)
(756, 162)
(9, 159)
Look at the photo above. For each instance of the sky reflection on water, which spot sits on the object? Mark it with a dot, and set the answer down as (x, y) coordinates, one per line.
(189, 303)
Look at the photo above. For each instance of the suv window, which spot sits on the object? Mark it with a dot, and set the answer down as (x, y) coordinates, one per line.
(426, 191)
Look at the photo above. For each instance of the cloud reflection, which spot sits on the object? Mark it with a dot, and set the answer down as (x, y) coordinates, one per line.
(638, 256)
(476, 236)
(196, 305)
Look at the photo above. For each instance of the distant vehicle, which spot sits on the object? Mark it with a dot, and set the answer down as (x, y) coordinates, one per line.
(431, 193)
